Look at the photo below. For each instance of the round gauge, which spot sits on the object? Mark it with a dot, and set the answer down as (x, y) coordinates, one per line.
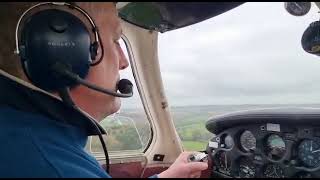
(273, 171)
(227, 142)
(224, 162)
(276, 147)
(303, 175)
(246, 168)
(248, 141)
(309, 153)
(297, 8)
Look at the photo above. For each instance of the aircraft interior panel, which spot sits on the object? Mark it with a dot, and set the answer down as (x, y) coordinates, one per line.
(265, 145)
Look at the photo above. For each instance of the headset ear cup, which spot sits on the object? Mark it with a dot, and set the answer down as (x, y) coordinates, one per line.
(94, 50)
(25, 68)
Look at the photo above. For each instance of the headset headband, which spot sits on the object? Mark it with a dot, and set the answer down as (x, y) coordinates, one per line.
(94, 29)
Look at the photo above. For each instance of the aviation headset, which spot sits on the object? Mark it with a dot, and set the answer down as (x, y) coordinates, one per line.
(56, 52)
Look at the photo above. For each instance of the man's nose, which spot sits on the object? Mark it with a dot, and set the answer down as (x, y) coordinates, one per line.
(124, 63)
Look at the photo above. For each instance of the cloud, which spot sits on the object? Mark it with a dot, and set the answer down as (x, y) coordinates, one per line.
(251, 54)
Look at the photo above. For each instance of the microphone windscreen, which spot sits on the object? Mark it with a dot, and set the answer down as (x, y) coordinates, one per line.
(311, 39)
(125, 86)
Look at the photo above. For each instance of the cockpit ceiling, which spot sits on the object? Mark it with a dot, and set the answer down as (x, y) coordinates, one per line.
(167, 16)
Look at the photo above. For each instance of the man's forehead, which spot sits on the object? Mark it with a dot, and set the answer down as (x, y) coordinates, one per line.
(102, 11)
(98, 6)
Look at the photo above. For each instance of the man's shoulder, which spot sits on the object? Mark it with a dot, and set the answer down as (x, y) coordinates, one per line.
(18, 153)
(32, 146)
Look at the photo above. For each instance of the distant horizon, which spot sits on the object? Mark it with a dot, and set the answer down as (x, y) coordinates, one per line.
(247, 104)
(265, 104)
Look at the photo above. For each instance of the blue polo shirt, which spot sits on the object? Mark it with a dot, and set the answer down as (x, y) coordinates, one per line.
(41, 136)
(33, 145)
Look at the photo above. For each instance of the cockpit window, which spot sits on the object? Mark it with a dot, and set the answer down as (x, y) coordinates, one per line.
(247, 58)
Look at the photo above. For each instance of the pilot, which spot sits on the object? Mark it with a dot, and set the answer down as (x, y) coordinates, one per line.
(42, 137)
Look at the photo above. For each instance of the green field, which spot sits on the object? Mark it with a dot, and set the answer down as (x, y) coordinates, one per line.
(194, 145)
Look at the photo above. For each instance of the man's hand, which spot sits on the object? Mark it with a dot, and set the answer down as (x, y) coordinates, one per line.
(181, 168)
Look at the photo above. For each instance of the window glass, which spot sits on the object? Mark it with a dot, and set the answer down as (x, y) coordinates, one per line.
(129, 128)
(247, 58)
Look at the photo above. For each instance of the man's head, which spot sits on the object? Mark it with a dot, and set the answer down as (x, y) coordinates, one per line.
(105, 74)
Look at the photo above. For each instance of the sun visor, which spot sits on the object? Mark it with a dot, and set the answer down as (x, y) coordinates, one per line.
(167, 16)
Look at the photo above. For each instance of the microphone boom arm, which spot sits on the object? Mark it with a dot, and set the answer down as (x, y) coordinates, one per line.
(62, 70)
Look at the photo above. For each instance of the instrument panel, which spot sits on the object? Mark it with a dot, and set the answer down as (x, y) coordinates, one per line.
(266, 150)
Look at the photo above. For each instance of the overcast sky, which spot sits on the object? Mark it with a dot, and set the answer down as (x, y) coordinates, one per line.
(249, 55)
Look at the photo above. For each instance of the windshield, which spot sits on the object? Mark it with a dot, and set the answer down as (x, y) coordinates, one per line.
(247, 58)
